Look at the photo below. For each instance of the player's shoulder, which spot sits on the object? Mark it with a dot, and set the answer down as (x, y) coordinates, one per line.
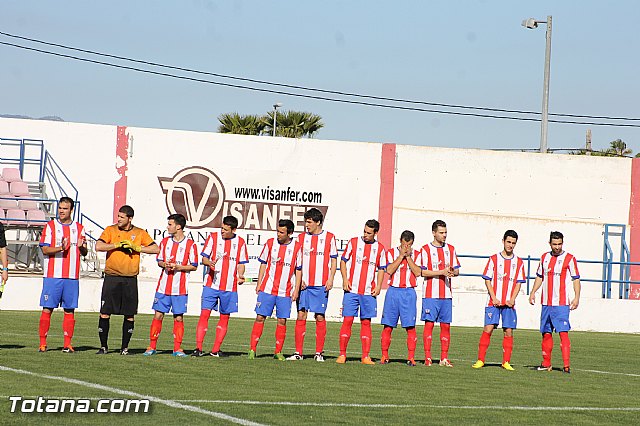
(451, 247)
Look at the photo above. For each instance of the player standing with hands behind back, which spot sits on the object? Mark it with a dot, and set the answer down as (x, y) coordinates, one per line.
(439, 264)
(503, 276)
(556, 271)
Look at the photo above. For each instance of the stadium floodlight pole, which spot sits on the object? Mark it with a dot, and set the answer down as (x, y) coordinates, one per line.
(275, 113)
(532, 24)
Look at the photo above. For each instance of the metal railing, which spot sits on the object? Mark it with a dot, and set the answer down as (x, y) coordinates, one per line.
(624, 283)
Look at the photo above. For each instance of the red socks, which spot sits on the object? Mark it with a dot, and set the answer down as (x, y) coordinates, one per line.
(178, 333)
(507, 348)
(427, 338)
(365, 336)
(221, 331)
(385, 341)
(445, 339)
(565, 347)
(156, 328)
(485, 339)
(281, 334)
(201, 329)
(321, 333)
(45, 323)
(412, 339)
(547, 347)
(256, 333)
(345, 334)
(68, 324)
(301, 329)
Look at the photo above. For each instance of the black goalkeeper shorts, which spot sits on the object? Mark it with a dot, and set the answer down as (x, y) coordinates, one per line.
(119, 296)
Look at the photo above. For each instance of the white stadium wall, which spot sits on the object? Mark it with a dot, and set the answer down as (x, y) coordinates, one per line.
(478, 193)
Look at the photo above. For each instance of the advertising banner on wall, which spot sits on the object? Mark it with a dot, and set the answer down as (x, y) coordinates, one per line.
(258, 180)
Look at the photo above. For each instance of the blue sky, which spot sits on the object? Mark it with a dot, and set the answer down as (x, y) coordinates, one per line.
(457, 52)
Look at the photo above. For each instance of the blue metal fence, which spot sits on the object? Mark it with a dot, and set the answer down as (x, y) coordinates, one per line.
(624, 283)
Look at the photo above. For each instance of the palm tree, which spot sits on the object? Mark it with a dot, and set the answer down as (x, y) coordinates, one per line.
(293, 124)
(240, 124)
(619, 149)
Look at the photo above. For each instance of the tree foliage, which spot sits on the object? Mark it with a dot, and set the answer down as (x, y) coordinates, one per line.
(617, 148)
(240, 124)
(289, 124)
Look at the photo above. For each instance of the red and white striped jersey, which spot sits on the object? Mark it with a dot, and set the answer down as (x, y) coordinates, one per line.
(503, 274)
(557, 273)
(182, 253)
(282, 260)
(434, 258)
(363, 261)
(402, 277)
(317, 252)
(65, 264)
(227, 254)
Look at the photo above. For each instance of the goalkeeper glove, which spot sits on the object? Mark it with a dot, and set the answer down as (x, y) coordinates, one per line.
(133, 246)
(121, 244)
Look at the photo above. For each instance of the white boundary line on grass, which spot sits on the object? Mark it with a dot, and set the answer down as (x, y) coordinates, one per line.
(355, 405)
(167, 402)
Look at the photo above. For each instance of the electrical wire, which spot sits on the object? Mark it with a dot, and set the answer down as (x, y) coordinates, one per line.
(293, 94)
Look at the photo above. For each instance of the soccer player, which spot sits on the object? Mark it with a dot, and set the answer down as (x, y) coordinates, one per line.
(178, 257)
(556, 271)
(439, 264)
(225, 253)
(363, 263)
(123, 243)
(503, 276)
(400, 300)
(62, 242)
(319, 263)
(278, 284)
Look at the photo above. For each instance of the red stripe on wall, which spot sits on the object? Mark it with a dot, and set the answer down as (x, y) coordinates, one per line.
(122, 156)
(387, 180)
(634, 227)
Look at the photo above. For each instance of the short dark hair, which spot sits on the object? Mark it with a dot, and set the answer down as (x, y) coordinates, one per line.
(437, 223)
(407, 236)
(288, 223)
(67, 200)
(556, 235)
(373, 224)
(231, 221)
(178, 219)
(314, 214)
(128, 210)
(510, 233)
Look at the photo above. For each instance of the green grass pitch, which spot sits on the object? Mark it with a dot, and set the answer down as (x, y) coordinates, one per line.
(604, 386)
